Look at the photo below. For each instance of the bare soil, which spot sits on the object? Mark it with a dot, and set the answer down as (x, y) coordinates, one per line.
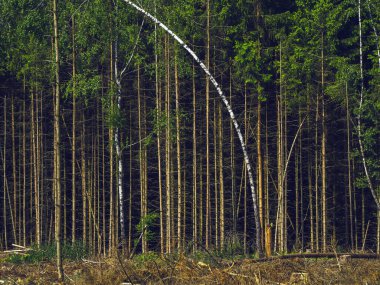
(186, 271)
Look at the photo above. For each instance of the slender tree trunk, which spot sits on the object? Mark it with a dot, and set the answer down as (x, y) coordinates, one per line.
(5, 188)
(104, 224)
(316, 176)
(130, 186)
(119, 154)
(158, 115)
(349, 174)
(111, 239)
(57, 146)
(195, 185)
(24, 167)
(246, 127)
(280, 189)
(14, 171)
(208, 198)
(309, 178)
(221, 180)
(178, 141)
(142, 159)
(378, 233)
(260, 167)
(216, 190)
(35, 176)
(233, 182)
(323, 152)
(84, 181)
(73, 149)
(168, 153)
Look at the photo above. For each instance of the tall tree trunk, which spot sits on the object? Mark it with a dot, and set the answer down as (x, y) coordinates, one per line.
(14, 172)
(73, 148)
(216, 194)
(24, 167)
(316, 175)
(142, 159)
(349, 174)
(323, 152)
(168, 152)
(207, 62)
(158, 116)
(111, 133)
(84, 180)
(221, 180)
(233, 174)
(280, 227)
(5, 187)
(119, 154)
(260, 167)
(57, 146)
(178, 142)
(246, 127)
(309, 176)
(195, 185)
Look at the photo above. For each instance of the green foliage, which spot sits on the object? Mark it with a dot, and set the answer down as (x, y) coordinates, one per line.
(253, 64)
(73, 252)
(145, 225)
(142, 259)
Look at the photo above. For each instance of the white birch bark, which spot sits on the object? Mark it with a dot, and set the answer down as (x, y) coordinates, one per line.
(120, 173)
(231, 113)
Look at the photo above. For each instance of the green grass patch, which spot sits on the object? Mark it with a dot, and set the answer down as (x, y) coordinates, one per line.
(73, 252)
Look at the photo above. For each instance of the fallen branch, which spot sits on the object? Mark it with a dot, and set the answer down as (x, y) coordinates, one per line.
(319, 255)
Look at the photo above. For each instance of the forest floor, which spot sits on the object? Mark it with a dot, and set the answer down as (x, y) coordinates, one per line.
(184, 270)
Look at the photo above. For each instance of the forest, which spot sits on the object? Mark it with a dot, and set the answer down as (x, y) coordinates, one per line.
(114, 136)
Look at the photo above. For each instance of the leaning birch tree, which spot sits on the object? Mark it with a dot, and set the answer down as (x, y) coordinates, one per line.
(230, 111)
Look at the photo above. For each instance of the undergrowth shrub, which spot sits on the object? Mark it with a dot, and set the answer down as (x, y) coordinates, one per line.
(73, 252)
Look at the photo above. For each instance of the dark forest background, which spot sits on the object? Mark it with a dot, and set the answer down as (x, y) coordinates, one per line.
(303, 78)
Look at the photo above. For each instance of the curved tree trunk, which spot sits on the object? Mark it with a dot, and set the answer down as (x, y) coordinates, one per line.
(232, 115)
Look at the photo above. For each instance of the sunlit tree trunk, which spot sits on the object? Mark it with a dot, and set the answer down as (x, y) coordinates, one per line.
(178, 142)
(221, 180)
(260, 167)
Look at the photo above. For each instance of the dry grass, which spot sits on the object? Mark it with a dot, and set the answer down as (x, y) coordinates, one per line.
(186, 271)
